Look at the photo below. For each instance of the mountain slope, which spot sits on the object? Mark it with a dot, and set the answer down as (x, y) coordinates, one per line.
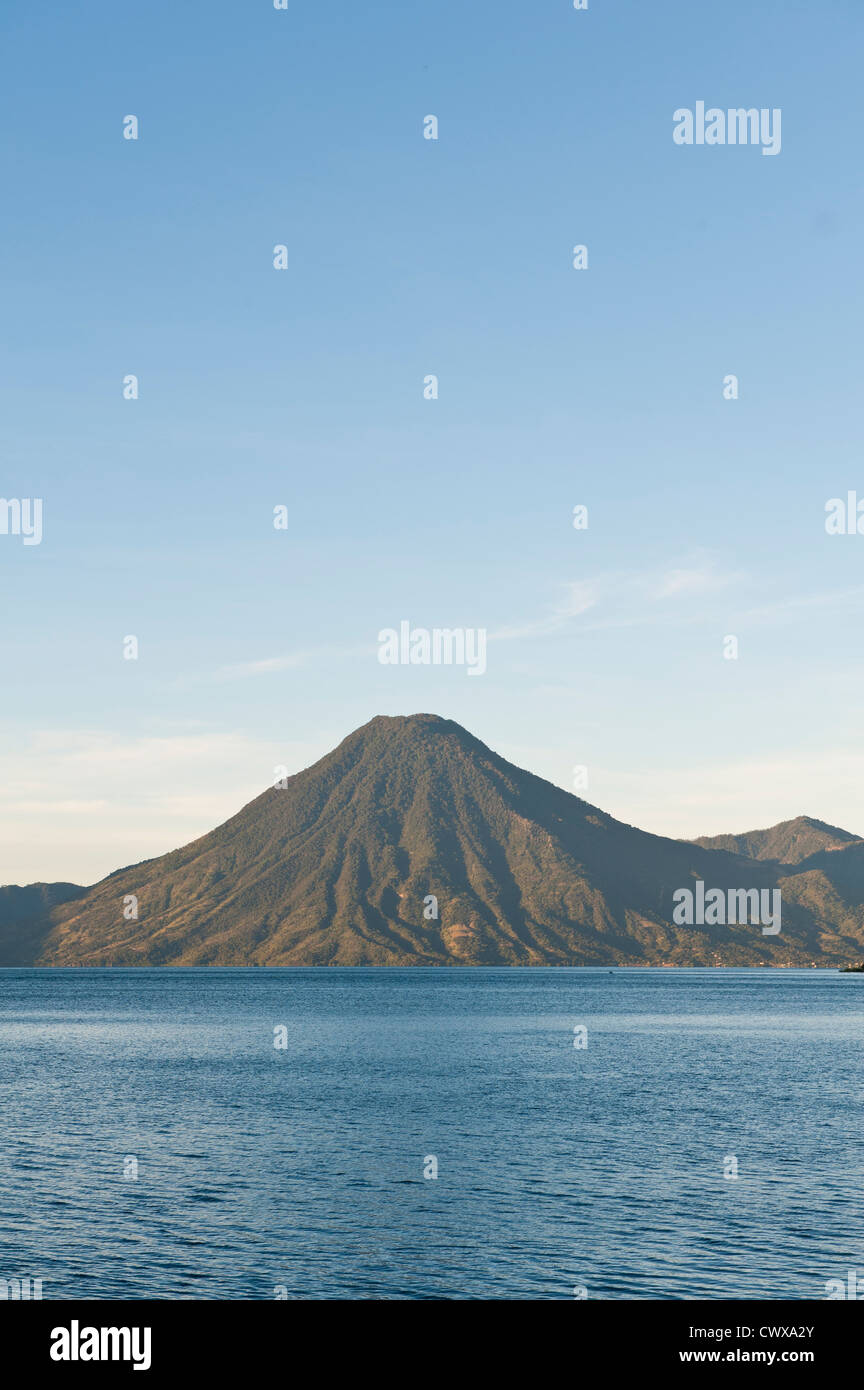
(24, 912)
(788, 843)
(336, 867)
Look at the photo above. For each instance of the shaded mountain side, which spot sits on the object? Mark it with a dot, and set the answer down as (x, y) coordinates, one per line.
(24, 913)
(787, 843)
(830, 885)
(336, 869)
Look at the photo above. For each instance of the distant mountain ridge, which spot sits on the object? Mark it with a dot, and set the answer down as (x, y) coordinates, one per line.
(412, 843)
(790, 842)
(22, 910)
(33, 899)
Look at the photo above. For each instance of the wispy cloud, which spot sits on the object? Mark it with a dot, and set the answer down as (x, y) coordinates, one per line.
(289, 661)
(292, 662)
(578, 598)
(620, 598)
(695, 579)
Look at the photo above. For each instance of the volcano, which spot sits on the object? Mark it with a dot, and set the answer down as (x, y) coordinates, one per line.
(413, 844)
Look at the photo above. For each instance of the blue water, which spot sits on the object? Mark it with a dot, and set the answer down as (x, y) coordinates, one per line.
(303, 1168)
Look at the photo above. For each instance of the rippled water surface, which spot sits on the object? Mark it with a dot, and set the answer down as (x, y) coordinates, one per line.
(558, 1167)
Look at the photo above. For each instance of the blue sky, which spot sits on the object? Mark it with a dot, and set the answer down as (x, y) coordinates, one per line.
(304, 387)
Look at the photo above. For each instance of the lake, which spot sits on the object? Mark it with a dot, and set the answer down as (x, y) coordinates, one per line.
(157, 1144)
